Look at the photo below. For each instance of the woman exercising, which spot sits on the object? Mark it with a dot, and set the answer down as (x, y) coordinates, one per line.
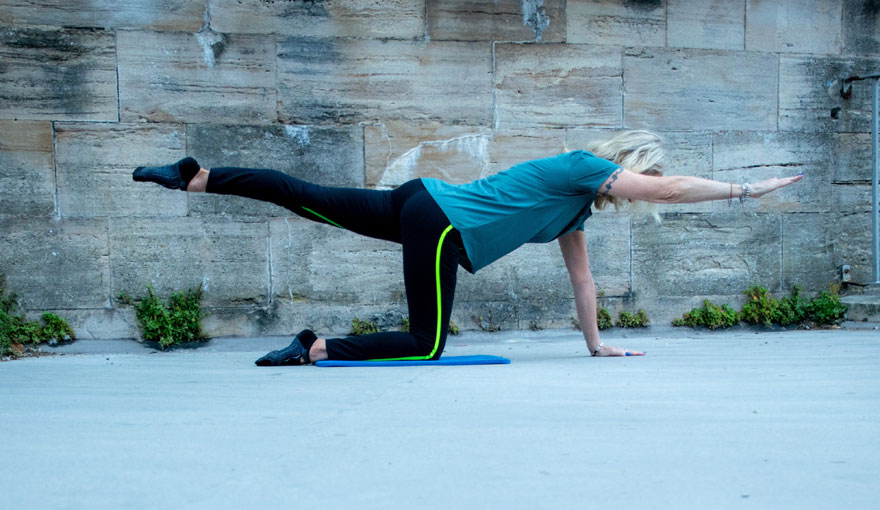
(441, 226)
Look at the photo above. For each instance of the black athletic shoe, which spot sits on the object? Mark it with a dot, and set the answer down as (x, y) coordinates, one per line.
(174, 176)
(294, 354)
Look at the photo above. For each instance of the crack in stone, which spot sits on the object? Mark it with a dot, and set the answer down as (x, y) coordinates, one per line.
(765, 165)
(862, 182)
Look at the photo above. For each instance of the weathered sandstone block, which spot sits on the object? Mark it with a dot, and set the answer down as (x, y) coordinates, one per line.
(57, 74)
(619, 23)
(56, 264)
(349, 81)
(395, 19)
(852, 244)
(861, 19)
(182, 77)
(810, 99)
(685, 90)
(808, 252)
(793, 26)
(94, 165)
(170, 15)
(27, 177)
(229, 259)
(501, 20)
(706, 254)
(851, 173)
(553, 85)
(325, 264)
(710, 24)
(851, 157)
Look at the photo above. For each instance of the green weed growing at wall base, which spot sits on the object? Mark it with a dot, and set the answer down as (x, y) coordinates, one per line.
(603, 318)
(17, 332)
(709, 315)
(628, 320)
(761, 309)
(177, 322)
(363, 327)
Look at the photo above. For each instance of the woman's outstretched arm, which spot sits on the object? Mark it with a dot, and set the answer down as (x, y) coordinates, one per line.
(679, 189)
(574, 252)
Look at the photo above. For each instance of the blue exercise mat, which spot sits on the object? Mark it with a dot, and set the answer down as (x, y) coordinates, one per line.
(480, 359)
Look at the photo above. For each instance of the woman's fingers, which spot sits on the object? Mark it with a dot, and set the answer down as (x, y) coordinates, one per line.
(610, 351)
(761, 188)
(791, 180)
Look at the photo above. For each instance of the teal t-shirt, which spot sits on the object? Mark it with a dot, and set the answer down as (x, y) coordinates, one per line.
(532, 202)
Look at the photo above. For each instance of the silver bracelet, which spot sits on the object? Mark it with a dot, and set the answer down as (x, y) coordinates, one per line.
(598, 347)
(746, 192)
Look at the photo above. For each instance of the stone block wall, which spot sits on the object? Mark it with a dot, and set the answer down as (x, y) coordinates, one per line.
(371, 94)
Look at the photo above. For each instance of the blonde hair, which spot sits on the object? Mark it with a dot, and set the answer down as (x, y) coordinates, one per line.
(637, 151)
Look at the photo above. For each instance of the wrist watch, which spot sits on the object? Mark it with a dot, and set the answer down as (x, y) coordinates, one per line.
(597, 349)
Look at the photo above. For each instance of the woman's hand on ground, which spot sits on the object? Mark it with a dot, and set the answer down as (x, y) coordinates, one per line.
(610, 350)
(761, 188)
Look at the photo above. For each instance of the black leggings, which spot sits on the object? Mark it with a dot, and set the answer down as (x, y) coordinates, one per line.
(407, 215)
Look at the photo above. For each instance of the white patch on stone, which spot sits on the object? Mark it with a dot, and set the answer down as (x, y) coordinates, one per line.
(211, 43)
(289, 259)
(175, 139)
(405, 166)
(535, 17)
(298, 133)
(495, 110)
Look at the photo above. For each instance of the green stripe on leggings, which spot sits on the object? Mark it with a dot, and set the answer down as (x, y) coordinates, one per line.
(439, 305)
(328, 220)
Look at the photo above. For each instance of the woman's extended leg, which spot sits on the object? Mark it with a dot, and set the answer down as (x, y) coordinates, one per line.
(363, 211)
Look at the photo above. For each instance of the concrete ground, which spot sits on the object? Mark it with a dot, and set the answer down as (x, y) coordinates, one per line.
(722, 420)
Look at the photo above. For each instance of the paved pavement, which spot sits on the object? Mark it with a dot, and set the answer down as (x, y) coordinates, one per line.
(730, 420)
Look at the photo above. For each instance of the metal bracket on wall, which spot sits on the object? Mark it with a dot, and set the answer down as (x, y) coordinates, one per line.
(845, 273)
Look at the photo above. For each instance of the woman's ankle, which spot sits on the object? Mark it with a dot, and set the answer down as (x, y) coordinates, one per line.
(318, 351)
(199, 183)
